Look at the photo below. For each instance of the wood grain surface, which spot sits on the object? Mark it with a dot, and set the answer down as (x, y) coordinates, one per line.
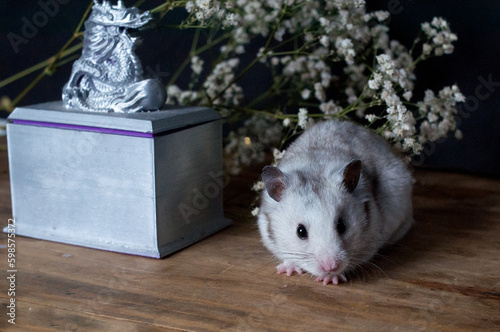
(444, 275)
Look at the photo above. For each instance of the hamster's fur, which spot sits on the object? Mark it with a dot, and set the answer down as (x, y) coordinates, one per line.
(338, 195)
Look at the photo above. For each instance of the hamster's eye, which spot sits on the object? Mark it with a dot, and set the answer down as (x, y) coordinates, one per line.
(341, 227)
(302, 232)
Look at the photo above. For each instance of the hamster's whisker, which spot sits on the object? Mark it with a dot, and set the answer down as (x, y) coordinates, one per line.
(355, 269)
(297, 254)
(362, 268)
(384, 258)
(378, 268)
(359, 265)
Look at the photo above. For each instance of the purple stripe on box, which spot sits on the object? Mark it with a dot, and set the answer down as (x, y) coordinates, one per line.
(83, 128)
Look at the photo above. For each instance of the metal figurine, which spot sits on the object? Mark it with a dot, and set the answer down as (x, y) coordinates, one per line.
(108, 77)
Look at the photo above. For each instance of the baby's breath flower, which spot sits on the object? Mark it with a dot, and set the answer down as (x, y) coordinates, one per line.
(345, 48)
(330, 108)
(371, 117)
(386, 64)
(440, 38)
(407, 95)
(230, 20)
(324, 22)
(408, 143)
(173, 93)
(382, 15)
(220, 79)
(258, 186)
(373, 84)
(325, 41)
(426, 49)
(439, 112)
(278, 155)
(196, 65)
(255, 211)
(303, 118)
(319, 93)
(305, 94)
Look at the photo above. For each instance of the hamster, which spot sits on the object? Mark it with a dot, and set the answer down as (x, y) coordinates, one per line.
(338, 195)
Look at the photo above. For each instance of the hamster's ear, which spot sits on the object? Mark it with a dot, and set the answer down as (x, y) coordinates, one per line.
(351, 175)
(274, 181)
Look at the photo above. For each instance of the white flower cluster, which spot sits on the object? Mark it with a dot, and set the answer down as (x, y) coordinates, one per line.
(439, 113)
(393, 78)
(196, 65)
(309, 69)
(176, 95)
(400, 125)
(219, 86)
(303, 118)
(330, 108)
(325, 59)
(439, 36)
(345, 49)
(204, 10)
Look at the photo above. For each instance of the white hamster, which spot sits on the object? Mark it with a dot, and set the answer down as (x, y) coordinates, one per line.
(338, 195)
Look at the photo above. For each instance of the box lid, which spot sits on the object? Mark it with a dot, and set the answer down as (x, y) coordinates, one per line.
(146, 124)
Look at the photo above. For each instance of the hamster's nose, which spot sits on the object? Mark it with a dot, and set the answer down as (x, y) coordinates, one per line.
(329, 264)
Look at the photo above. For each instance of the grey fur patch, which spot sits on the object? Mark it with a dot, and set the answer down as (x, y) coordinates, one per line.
(367, 210)
(270, 231)
(307, 181)
(374, 187)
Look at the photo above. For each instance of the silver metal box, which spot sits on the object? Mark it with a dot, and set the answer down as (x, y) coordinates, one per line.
(145, 183)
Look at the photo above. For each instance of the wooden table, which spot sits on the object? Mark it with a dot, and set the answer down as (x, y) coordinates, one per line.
(445, 275)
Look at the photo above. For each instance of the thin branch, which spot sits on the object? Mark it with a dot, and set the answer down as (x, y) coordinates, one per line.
(51, 62)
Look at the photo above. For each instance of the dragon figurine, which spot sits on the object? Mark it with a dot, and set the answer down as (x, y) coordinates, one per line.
(108, 77)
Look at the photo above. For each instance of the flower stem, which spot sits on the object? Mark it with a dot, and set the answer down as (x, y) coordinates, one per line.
(194, 52)
(168, 5)
(38, 66)
(50, 64)
(27, 89)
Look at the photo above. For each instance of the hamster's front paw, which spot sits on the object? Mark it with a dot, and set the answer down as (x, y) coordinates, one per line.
(289, 268)
(331, 278)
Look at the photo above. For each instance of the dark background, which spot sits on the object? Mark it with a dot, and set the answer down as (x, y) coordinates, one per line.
(474, 61)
